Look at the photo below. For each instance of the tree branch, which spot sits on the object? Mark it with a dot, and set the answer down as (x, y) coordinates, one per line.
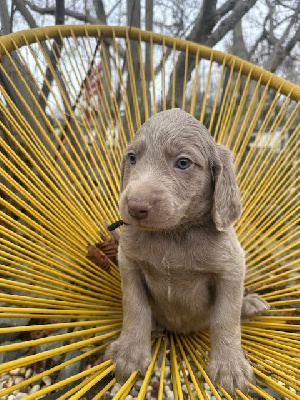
(100, 12)
(259, 39)
(205, 21)
(238, 46)
(257, 42)
(240, 9)
(4, 18)
(113, 8)
(69, 13)
(272, 38)
(279, 54)
(21, 7)
(225, 8)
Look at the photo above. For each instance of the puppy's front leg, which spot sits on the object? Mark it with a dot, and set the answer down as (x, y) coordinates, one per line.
(228, 365)
(132, 351)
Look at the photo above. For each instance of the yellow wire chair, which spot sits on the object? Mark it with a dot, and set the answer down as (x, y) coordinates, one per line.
(71, 98)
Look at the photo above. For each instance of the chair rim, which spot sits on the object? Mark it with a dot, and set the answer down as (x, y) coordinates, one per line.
(13, 41)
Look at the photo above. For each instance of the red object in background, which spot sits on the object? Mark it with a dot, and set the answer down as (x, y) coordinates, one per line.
(92, 89)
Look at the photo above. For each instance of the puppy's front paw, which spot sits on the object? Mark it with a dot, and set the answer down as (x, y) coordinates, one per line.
(127, 358)
(253, 304)
(231, 372)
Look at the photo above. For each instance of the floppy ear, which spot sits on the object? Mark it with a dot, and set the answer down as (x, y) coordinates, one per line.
(226, 202)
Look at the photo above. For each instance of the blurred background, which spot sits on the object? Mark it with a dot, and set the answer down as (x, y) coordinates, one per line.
(265, 32)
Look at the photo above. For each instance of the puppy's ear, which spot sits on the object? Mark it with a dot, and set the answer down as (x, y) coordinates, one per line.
(226, 202)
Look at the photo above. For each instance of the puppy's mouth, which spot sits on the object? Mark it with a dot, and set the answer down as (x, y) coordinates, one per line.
(148, 227)
(158, 214)
(149, 224)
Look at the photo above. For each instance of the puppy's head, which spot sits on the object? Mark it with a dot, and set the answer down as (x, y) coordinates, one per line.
(174, 173)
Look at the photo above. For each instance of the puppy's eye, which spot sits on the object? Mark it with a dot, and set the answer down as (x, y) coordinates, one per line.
(132, 158)
(183, 163)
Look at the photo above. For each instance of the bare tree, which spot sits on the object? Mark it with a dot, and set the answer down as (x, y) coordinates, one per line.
(224, 19)
(278, 40)
(281, 32)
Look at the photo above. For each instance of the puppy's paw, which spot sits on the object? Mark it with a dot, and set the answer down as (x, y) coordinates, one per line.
(253, 304)
(127, 358)
(231, 372)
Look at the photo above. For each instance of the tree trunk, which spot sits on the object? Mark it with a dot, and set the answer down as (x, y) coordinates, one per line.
(55, 54)
(149, 27)
(203, 26)
(133, 59)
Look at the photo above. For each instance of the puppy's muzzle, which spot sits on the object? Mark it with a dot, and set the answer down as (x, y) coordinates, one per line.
(138, 209)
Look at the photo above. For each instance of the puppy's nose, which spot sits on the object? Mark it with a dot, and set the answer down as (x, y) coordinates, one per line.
(138, 209)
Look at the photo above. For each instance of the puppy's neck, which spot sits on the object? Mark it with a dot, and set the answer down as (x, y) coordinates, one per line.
(181, 230)
(205, 222)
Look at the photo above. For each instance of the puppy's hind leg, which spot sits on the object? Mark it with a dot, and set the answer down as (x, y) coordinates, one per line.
(253, 304)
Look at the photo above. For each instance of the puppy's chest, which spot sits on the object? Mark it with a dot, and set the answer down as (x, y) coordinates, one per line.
(159, 254)
(176, 272)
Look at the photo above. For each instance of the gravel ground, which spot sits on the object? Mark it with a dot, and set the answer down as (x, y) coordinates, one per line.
(19, 374)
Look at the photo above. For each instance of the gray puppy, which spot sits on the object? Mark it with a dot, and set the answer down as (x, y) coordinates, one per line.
(181, 263)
